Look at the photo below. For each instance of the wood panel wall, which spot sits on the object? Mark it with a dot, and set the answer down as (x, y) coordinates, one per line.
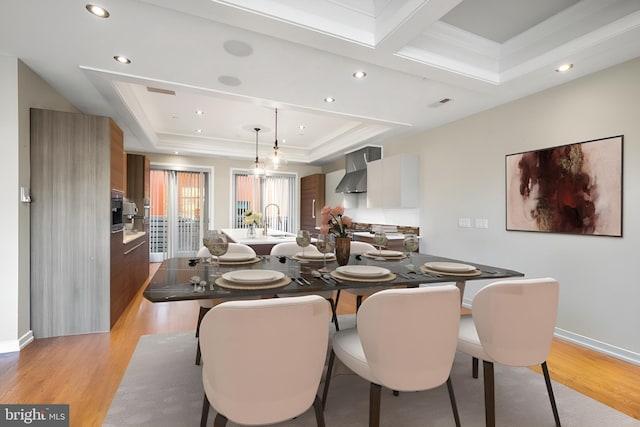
(70, 223)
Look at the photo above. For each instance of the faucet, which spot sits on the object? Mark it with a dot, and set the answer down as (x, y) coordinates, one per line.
(264, 215)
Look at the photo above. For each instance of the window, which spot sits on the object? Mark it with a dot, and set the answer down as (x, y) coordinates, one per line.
(256, 193)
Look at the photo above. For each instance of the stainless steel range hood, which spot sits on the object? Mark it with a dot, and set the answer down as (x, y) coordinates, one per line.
(355, 178)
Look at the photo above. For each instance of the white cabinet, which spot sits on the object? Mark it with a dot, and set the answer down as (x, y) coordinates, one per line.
(394, 182)
(332, 179)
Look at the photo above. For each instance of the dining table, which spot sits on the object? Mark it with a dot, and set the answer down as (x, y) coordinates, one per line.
(179, 279)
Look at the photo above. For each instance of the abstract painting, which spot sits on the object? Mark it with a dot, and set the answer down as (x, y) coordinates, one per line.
(575, 189)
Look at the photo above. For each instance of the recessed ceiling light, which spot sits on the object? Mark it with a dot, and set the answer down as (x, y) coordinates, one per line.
(564, 67)
(200, 112)
(229, 80)
(237, 48)
(359, 75)
(122, 59)
(176, 152)
(199, 130)
(329, 99)
(98, 11)
(301, 127)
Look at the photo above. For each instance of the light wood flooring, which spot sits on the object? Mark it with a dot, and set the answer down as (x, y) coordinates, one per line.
(85, 370)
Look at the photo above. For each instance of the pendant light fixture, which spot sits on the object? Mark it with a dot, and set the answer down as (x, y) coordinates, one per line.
(257, 166)
(276, 159)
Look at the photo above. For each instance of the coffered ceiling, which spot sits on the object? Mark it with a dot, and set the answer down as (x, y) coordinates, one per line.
(427, 62)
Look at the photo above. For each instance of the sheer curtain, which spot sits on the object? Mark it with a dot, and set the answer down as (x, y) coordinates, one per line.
(178, 213)
(256, 193)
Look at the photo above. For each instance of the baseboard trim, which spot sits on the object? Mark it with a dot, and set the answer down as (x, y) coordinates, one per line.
(599, 346)
(10, 346)
(595, 345)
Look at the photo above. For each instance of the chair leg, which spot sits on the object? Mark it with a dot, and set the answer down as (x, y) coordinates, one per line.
(205, 411)
(327, 379)
(452, 398)
(547, 380)
(201, 313)
(220, 421)
(489, 394)
(317, 407)
(337, 298)
(374, 405)
(474, 367)
(358, 302)
(198, 353)
(334, 314)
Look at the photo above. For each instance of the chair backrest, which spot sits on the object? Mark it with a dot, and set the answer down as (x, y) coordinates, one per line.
(240, 248)
(361, 247)
(409, 335)
(515, 319)
(263, 359)
(291, 248)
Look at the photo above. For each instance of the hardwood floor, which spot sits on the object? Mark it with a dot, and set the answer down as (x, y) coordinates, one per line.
(85, 370)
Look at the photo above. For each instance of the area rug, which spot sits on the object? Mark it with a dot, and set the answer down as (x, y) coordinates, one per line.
(163, 387)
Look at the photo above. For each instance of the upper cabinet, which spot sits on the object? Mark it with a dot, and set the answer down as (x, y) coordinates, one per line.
(118, 158)
(312, 200)
(394, 182)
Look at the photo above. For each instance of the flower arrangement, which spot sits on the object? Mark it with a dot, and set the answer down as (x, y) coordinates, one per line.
(252, 217)
(334, 221)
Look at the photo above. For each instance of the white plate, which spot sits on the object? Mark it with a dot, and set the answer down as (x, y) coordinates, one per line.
(253, 276)
(314, 255)
(362, 271)
(385, 253)
(450, 267)
(236, 256)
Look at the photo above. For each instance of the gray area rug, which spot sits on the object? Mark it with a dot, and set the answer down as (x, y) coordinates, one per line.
(163, 387)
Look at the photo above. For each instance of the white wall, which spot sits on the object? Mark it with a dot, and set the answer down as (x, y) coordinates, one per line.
(21, 90)
(462, 174)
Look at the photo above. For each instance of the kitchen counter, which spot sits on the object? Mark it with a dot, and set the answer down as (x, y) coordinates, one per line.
(130, 236)
(390, 236)
(239, 235)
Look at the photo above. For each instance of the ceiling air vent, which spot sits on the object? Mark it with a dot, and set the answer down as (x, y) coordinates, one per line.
(158, 90)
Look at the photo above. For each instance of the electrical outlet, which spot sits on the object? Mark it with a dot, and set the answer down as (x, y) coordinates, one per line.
(482, 223)
(464, 222)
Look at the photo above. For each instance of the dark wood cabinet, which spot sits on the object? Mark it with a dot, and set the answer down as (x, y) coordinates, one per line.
(312, 194)
(129, 270)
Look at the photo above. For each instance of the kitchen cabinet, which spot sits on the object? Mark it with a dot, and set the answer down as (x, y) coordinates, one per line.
(74, 165)
(312, 200)
(129, 270)
(138, 177)
(394, 182)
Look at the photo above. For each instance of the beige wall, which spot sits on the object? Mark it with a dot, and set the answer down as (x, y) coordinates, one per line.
(21, 90)
(462, 175)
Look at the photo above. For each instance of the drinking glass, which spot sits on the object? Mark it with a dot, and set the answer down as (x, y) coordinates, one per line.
(410, 244)
(380, 239)
(325, 243)
(216, 242)
(303, 239)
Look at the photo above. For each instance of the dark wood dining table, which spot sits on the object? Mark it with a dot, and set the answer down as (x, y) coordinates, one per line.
(172, 281)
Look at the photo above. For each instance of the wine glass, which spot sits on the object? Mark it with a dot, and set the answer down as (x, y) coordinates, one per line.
(380, 239)
(410, 244)
(303, 239)
(325, 243)
(216, 242)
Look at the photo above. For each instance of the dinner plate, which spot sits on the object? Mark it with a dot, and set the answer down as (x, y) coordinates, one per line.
(385, 253)
(450, 267)
(314, 255)
(236, 256)
(362, 270)
(253, 276)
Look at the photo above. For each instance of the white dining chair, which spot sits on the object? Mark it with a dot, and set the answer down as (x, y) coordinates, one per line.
(206, 304)
(511, 323)
(405, 340)
(359, 248)
(263, 359)
(292, 248)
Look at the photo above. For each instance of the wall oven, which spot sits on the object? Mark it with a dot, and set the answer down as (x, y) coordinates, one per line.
(117, 217)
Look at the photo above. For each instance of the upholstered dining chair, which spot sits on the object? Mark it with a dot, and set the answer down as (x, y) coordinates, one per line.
(359, 248)
(292, 248)
(263, 359)
(511, 323)
(207, 304)
(405, 340)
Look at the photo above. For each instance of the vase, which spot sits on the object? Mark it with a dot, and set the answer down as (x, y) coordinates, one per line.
(251, 231)
(343, 248)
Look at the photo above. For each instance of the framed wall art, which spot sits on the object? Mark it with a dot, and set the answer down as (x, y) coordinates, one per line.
(574, 188)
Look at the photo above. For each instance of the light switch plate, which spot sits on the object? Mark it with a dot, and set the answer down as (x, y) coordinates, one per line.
(482, 223)
(464, 222)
